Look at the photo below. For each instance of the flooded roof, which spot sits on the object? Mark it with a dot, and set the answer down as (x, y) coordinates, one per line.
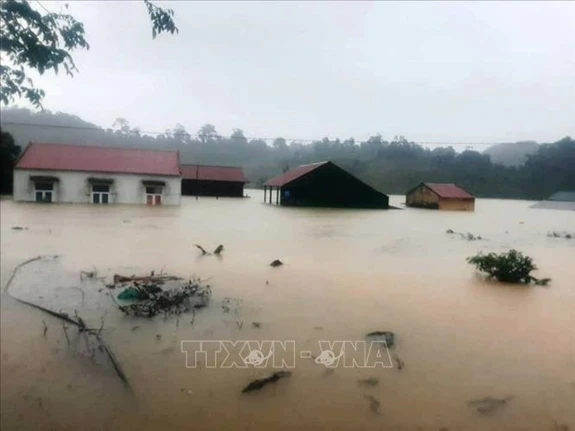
(294, 174)
(214, 173)
(555, 205)
(563, 196)
(65, 157)
(448, 190)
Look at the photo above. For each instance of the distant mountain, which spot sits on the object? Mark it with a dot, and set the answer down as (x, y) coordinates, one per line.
(511, 154)
(12, 119)
(61, 128)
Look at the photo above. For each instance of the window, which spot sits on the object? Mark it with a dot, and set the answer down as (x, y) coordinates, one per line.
(154, 195)
(100, 193)
(43, 192)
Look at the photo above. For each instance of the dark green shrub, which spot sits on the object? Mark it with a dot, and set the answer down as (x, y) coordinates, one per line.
(510, 267)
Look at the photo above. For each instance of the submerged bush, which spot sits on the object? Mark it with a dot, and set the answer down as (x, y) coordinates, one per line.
(510, 267)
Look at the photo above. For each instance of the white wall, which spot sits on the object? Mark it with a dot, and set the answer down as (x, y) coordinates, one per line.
(73, 187)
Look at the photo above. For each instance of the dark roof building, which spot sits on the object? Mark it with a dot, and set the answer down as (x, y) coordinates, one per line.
(440, 196)
(323, 184)
(563, 196)
(564, 200)
(218, 181)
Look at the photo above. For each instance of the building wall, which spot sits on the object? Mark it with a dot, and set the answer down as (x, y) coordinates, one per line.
(422, 197)
(212, 188)
(457, 204)
(73, 187)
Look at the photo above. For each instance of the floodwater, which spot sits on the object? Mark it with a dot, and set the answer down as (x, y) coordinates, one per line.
(346, 273)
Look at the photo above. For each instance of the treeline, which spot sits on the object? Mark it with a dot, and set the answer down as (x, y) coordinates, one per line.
(391, 166)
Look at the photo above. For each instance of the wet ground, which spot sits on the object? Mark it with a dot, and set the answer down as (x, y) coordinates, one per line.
(346, 273)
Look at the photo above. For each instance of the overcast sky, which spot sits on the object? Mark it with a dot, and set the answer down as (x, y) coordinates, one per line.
(449, 72)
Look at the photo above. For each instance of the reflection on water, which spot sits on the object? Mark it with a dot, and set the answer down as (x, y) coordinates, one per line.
(346, 273)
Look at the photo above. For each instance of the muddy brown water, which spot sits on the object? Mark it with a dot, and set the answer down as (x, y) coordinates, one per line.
(346, 273)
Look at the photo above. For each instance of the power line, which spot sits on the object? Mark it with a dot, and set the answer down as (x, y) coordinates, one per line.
(197, 135)
(42, 6)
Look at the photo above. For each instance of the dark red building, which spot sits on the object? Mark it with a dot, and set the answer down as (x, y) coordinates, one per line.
(217, 181)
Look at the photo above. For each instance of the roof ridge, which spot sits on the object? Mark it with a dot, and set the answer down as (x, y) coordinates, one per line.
(211, 166)
(103, 147)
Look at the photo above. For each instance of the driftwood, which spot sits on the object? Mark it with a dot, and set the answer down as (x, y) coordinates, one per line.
(201, 249)
(217, 251)
(78, 322)
(257, 384)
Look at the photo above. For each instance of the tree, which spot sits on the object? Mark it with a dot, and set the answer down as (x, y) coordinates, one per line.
(238, 137)
(31, 39)
(279, 144)
(207, 133)
(9, 153)
(180, 134)
(121, 126)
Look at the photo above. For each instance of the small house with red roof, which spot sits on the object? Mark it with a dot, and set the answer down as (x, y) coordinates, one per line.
(217, 181)
(98, 175)
(440, 196)
(323, 184)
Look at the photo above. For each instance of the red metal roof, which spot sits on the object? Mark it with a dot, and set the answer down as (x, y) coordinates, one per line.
(63, 157)
(214, 173)
(294, 174)
(449, 191)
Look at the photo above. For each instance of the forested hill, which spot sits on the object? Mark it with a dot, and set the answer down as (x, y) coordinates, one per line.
(392, 167)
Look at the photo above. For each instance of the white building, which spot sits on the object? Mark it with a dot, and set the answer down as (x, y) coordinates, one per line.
(99, 175)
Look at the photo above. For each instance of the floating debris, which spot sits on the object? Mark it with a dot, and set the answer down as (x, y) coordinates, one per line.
(374, 403)
(560, 427)
(554, 234)
(217, 251)
(399, 362)
(154, 295)
(488, 405)
(276, 263)
(467, 236)
(369, 382)
(386, 337)
(257, 384)
(231, 305)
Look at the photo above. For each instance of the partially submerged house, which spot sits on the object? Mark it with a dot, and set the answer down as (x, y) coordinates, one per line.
(564, 200)
(98, 175)
(322, 184)
(218, 181)
(440, 196)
